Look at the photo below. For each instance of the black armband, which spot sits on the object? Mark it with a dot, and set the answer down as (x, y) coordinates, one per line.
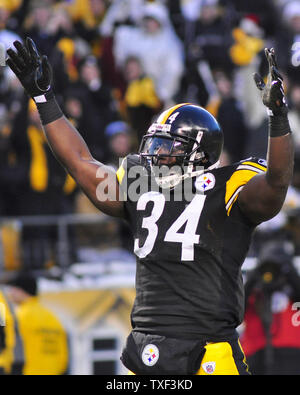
(279, 125)
(48, 107)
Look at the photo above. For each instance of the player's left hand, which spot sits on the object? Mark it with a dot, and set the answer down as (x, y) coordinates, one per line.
(32, 69)
(273, 95)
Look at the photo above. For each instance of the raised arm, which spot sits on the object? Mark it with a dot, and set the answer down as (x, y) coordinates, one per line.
(99, 182)
(263, 196)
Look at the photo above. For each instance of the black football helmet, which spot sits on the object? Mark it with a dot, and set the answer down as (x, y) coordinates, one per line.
(186, 132)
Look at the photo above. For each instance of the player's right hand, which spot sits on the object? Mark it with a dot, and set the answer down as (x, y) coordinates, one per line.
(32, 69)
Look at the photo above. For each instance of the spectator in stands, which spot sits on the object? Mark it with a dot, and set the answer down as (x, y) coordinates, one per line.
(68, 51)
(294, 114)
(81, 112)
(231, 118)
(12, 173)
(158, 48)
(7, 165)
(209, 36)
(268, 15)
(121, 12)
(121, 141)
(44, 187)
(287, 40)
(271, 339)
(141, 98)
(207, 42)
(36, 26)
(87, 14)
(247, 56)
(90, 105)
(9, 338)
(7, 36)
(248, 41)
(87, 17)
(53, 30)
(44, 338)
(285, 226)
(99, 92)
(292, 225)
(43, 178)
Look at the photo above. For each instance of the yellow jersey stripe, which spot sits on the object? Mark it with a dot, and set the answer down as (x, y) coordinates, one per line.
(252, 168)
(254, 164)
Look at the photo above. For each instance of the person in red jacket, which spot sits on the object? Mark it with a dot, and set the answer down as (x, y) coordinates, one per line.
(271, 338)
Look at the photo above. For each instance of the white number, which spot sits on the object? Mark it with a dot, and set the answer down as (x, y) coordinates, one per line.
(189, 217)
(173, 117)
(296, 316)
(149, 222)
(188, 238)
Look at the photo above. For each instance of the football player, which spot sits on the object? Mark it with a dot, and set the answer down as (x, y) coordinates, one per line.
(189, 290)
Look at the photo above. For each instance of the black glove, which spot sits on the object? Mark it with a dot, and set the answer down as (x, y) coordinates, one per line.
(32, 69)
(272, 93)
(35, 74)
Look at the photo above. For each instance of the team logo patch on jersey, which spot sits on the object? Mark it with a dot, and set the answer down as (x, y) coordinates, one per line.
(209, 367)
(150, 355)
(205, 182)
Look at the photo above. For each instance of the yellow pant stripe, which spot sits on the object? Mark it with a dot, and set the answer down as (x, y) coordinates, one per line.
(218, 360)
(244, 359)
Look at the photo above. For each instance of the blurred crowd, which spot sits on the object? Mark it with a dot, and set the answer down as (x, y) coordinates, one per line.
(117, 64)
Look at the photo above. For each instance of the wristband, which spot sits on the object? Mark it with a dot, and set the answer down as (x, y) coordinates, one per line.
(279, 125)
(47, 107)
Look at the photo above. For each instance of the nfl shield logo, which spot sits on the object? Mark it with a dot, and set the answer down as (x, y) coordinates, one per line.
(209, 367)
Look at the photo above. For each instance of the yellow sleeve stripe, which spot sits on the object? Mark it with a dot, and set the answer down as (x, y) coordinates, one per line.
(237, 182)
(252, 168)
(120, 174)
(256, 165)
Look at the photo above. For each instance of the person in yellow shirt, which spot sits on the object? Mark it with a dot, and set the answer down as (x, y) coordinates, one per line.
(9, 339)
(44, 338)
(141, 102)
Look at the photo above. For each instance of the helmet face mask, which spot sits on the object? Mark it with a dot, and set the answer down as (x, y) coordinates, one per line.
(185, 135)
(165, 150)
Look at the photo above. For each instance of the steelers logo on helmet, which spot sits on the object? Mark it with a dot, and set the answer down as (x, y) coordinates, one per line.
(185, 135)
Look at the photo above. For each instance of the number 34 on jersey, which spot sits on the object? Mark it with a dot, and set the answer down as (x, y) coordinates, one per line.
(188, 220)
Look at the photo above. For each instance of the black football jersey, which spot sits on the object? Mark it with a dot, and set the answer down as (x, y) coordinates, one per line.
(189, 250)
